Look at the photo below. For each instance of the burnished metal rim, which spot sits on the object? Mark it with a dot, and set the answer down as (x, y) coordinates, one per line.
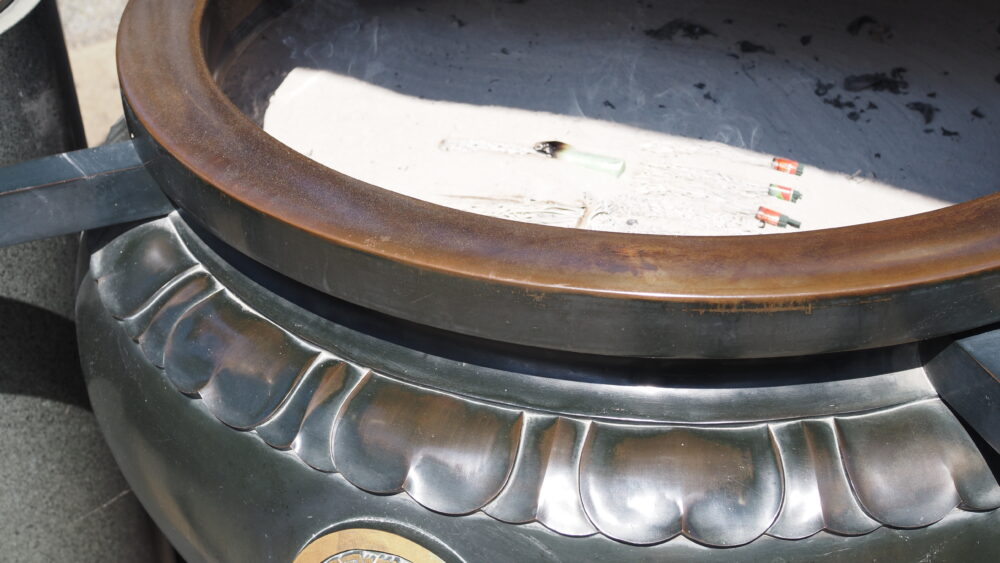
(870, 285)
(641, 392)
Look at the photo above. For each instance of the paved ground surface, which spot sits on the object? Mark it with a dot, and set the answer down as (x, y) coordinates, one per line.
(90, 27)
(62, 497)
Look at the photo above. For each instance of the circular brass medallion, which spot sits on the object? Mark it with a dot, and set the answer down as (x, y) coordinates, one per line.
(361, 545)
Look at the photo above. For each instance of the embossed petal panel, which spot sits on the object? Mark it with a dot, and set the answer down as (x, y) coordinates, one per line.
(912, 465)
(449, 454)
(152, 250)
(818, 495)
(305, 418)
(646, 484)
(901, 466)
(545, 483)
(313, 441)
(153, 324)
(242, 365)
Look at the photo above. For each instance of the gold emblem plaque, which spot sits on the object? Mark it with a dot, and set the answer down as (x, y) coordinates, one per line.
(362, 545)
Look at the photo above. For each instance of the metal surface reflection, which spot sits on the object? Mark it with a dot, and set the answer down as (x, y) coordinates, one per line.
(377, 416)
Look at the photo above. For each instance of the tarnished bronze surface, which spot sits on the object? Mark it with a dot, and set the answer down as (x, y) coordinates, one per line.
(870, 285)
(237, 415)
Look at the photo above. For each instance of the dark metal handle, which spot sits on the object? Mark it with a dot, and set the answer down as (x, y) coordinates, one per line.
(966, 373)
(76, 191)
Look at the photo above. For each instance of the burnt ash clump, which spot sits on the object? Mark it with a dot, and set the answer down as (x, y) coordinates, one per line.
(751, 47)
(854, 28)
(687, 28)
(822, 88)
(838, 103)
(925, 110)
(876, 29)
(892, 82)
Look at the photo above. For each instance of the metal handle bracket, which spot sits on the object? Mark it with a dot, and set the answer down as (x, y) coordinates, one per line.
(76, 191)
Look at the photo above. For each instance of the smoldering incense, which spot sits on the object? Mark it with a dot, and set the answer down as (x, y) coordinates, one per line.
(567, 153)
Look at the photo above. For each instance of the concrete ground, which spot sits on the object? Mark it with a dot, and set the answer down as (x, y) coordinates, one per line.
(90, 27)
(62, 497)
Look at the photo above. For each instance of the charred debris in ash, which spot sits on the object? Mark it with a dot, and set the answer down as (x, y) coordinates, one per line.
(864, 26)
(893, 81)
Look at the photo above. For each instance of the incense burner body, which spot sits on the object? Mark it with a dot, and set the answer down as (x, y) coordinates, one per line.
(255, 422)
(291, 364)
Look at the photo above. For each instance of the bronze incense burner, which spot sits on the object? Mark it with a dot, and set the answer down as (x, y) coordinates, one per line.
(292, 364)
